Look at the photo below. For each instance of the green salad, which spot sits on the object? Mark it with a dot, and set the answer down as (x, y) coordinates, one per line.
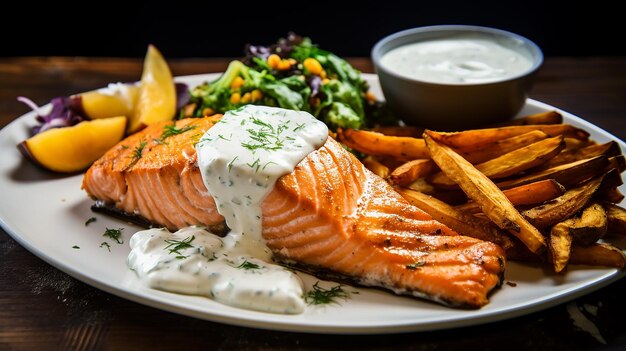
(294, 74)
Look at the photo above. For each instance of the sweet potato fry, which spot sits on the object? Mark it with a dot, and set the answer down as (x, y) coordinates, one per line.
(566, 156)
(528, 194)
(599, 254)
(616, 217)
(608, 190)
(375, 166)
(421, 185)
(373, 143)
(483, 191)
(575, 144)
(408, 172)
(559, 246)
(590, 227)
(548, 117)
(564, 206)
(618, 162)
(613, 195)
(477, 138)
(511, 163)
(568, 175)
(501, 147)
(462, 223)
(404, 131)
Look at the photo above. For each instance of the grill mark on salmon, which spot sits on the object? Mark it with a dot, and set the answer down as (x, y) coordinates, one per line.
(330, 216)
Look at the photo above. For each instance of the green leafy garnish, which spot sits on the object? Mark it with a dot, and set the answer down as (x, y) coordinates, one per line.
(248, 265)
(338, 95)
(75, 247)
(174, 246)
(105, 244)
(115, 234)
(90, 220)
(320, 296)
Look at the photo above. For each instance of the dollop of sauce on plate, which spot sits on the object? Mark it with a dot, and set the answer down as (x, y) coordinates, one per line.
(457, 59)
(240, 159)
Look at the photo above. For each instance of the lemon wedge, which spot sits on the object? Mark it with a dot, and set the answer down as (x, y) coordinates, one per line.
(116, 100)
(157, 94)
(73, 149)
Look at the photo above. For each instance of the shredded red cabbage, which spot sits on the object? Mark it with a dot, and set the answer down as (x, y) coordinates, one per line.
(282, 48)
(182, 95)
(315, 83)
(62, 114)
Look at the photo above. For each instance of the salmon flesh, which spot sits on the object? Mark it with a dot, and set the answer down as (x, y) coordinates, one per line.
(330, 215)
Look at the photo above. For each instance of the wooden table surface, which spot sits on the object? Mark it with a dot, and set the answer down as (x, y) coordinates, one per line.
(43, 308)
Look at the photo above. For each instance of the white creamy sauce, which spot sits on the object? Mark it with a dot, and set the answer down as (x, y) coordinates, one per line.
(459, 59)
(240, 159)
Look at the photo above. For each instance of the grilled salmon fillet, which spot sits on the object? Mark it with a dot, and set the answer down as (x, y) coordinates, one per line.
(329, 215)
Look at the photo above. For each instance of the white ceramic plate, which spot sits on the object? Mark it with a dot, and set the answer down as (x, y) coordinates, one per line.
(46, 214)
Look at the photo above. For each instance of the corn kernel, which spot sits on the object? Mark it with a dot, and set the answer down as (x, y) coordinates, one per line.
(188, 110)
(323, 74)
(237, 83)
(235, 98)
(292, 61)
(256, 95)
(273, 60)
(312, 65)
(208, 111)
(325, 81)
(246, 98)
(283, 65)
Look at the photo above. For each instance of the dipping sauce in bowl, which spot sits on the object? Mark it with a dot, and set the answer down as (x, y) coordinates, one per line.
(454, 77)
(458, 59)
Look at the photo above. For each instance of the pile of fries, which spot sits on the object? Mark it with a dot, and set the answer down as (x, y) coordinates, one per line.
(542, 190)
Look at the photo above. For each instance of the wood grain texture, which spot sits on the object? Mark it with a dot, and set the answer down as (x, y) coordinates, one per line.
(42, 308)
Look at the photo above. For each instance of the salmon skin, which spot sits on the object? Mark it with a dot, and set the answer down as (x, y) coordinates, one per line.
(329, 215)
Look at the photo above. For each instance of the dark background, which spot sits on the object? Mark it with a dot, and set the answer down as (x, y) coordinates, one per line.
(221, 29)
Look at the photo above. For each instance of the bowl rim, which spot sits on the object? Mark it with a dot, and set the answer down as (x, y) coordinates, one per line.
(376, 53)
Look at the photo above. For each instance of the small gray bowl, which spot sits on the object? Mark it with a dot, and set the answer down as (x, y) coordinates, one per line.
(455, 106)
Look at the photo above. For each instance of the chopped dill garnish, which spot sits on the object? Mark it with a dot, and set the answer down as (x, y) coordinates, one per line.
(267, 137)
(115, 234)
(171, 130)
(230, 164)
(248, 265)
(255, 165)
(175, 245)
(223, 137)
(202, 140)
(105, 244)
(320, 296)
(137, 153)
(299, 127)
(90, 220)
(416, 265)
(75, 247)
(269, 163)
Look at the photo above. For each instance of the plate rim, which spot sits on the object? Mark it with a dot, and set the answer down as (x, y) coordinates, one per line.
(482, 316)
